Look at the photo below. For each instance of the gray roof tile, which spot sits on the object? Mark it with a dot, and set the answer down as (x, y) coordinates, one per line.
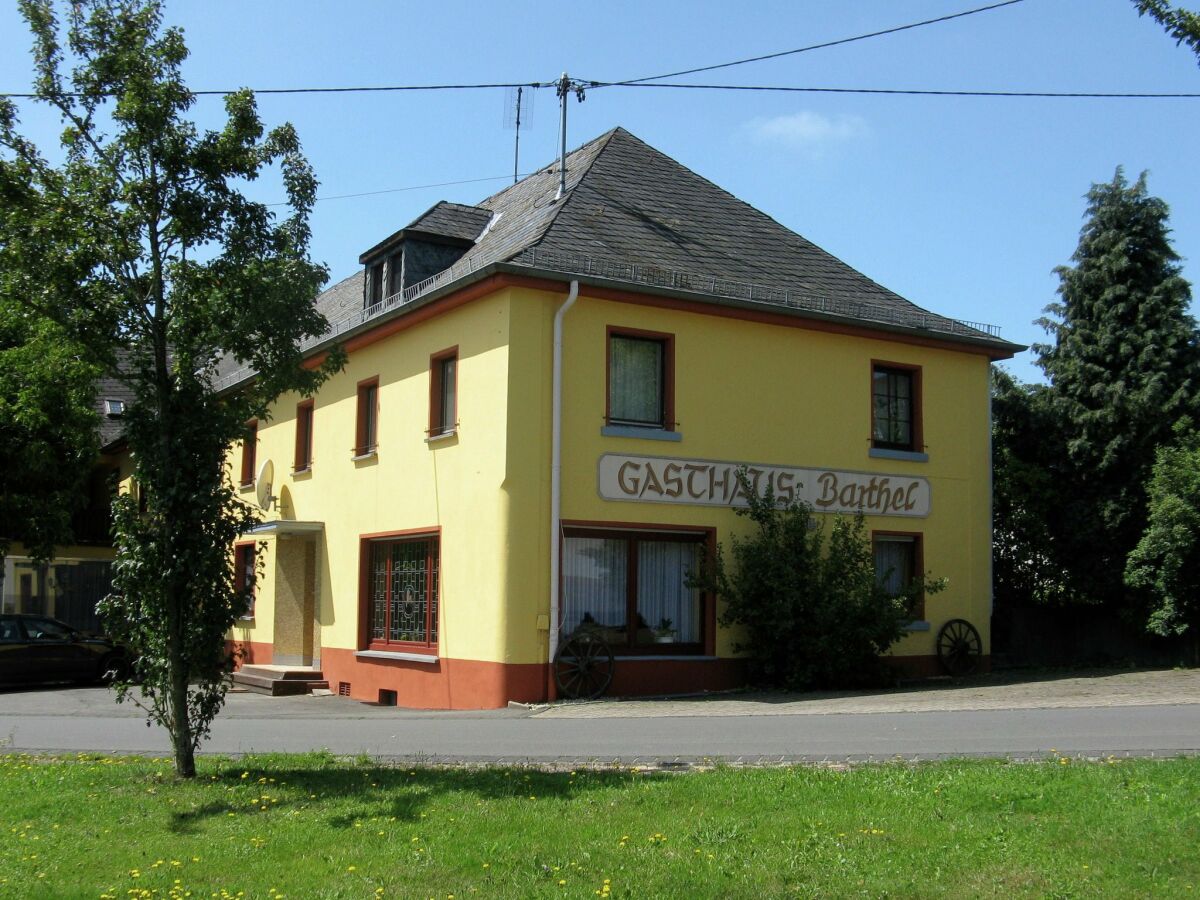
(453, 220)
(628, 203)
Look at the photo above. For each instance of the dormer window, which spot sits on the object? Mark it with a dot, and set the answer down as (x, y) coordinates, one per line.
(375, 283)
(395, 274)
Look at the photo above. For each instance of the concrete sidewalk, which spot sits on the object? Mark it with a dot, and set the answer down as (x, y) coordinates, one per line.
(1008, 690)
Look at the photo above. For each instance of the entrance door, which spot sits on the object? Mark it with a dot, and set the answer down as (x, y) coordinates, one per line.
(295, 601)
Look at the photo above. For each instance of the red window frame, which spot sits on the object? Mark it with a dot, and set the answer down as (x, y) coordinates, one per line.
(367, 638)
(916, 442)
(439, 421)
(304, 436)
(667, 340)
(245, 557)
(366, 423)
(633, 533)
(918, 563)
(249, 453)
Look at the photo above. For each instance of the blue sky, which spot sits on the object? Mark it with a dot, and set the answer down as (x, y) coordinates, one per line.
(963, 205)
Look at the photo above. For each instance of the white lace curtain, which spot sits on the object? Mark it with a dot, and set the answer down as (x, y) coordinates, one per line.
(595, 579)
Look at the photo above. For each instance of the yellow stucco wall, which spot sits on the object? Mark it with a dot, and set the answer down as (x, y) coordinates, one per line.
(756, 393)
(453, 484)
(745, 392)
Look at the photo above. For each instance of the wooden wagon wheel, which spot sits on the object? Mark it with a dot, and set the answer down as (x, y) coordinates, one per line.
(959, 647)
(583, 667)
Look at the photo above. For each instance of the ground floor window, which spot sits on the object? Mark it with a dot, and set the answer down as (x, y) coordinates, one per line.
(633, 587)
(244, 577)
(897, 563)
(402, 592)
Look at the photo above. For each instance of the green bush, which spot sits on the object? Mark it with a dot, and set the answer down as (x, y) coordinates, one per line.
(809, 604)
(1165, 565)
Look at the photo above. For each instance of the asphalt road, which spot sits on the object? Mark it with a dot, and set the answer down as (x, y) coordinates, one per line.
(87, 720)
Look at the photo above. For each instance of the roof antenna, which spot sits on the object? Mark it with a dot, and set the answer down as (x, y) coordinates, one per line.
(513, 102)
(565, 86)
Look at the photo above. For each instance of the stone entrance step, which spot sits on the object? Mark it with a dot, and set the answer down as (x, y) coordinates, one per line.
(279, 681)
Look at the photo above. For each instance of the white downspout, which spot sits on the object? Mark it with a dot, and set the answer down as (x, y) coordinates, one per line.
(556, 467)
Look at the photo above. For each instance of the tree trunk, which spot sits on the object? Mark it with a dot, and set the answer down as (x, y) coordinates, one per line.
(181, 724)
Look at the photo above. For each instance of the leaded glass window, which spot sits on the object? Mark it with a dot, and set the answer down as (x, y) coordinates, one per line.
(403, 585)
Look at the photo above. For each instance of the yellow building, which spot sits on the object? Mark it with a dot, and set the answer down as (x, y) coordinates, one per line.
(545, 401)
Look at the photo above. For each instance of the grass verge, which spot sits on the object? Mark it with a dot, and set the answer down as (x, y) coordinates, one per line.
(313, 826)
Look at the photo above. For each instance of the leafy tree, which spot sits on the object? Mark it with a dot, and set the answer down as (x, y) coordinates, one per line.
(1166, 561)
(1028, 501)
(810, 605)
(141, 246)
(1123, 368)
(1179, 23)
(48, 440)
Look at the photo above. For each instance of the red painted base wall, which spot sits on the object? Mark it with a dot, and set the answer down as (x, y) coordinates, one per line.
(445, 684)
(472, 684)
(246, 653)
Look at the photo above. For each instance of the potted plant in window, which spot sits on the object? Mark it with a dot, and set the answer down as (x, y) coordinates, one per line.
(664, 633)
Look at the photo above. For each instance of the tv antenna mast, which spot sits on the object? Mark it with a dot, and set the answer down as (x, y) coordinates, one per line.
(565, 86)
(517, 103)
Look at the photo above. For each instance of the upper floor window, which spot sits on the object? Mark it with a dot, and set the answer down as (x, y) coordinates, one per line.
(249, 452)
(304, 436)
(641, 379)
(895, 407)
(367, 421)
(443, 392)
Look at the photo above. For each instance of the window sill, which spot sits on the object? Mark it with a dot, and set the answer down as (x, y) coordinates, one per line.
(645, 433)
(919, 625)
(365, 457)
(443, 436)
(245, 487)
(908, 455)
(427, 658)
(306, 472)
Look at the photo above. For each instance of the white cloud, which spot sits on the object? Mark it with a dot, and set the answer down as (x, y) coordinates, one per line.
(807, 130)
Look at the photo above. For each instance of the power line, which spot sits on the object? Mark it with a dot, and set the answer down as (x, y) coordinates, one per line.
(1147, 95)
(411, 187)
(822, 46)
(332, 90)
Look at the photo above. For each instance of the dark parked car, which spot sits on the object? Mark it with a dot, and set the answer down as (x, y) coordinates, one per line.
(36, 649)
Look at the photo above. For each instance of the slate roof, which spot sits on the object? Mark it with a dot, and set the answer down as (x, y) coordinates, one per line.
(454, 220)
(633, 215)
(110, 428)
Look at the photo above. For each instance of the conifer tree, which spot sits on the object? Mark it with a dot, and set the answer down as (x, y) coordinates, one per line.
(1123, 369)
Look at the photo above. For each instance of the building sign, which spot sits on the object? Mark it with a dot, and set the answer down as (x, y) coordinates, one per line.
(701, 482)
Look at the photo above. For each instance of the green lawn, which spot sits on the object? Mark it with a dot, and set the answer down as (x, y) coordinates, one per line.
(316, 826)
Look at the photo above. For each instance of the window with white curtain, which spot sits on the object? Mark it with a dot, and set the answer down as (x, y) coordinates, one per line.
(897, 564)
(633, 588)
(636, 381)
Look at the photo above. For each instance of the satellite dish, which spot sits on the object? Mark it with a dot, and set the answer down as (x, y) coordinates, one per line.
(263, 484)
